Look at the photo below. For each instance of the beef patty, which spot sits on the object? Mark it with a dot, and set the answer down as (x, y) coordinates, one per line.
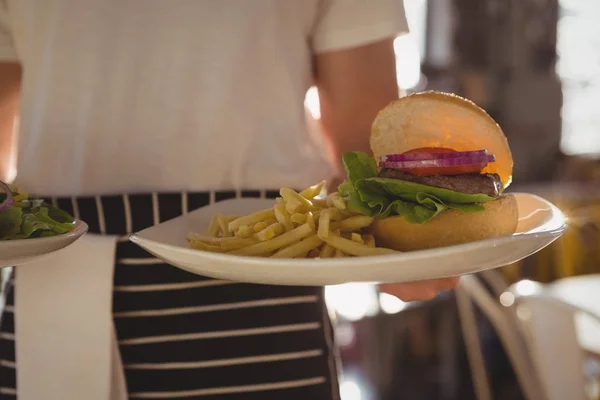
(489, 184)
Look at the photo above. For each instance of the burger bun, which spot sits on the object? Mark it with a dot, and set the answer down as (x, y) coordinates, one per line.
(450, 227)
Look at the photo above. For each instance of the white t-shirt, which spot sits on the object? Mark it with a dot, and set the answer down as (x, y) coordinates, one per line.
(156, 95)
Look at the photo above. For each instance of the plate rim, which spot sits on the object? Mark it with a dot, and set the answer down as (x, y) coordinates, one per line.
(380, 259)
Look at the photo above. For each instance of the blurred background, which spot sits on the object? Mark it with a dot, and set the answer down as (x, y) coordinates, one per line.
(535, 66)
(526, 331)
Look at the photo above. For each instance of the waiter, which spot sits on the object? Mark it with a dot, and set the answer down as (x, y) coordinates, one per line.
(132, 112)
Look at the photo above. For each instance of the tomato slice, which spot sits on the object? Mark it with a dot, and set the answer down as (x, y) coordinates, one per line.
(430, 150)
(430, 171)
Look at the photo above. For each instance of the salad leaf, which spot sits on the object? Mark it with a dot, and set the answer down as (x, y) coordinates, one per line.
(31, 218)
(10, 222)
(383, 197)
(38, 221)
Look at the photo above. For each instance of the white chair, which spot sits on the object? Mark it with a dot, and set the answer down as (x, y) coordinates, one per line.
(471, 292)
(552, 340)
(539, 336)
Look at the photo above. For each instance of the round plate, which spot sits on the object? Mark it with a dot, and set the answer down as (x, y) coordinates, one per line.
(540, 223)
(17, 252)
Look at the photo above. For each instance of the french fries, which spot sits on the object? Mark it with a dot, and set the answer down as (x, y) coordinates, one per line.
(299, 225)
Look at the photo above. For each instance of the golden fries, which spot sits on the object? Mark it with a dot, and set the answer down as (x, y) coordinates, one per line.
(301, 247)
(277, 242)
(294, 201)
(251, 219)
(353, 248)
(270, 232)
(327, 251)
(298, 225)
(283, 217)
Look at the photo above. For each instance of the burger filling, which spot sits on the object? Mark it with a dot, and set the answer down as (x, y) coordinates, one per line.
(471, 183)
(419, 184)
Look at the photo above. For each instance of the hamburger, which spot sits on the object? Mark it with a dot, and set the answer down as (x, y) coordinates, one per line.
(437, 176)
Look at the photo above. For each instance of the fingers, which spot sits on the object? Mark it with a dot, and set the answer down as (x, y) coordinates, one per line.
(424, 290)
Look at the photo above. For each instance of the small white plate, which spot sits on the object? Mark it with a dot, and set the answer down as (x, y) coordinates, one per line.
(540, 223)
(18, 252)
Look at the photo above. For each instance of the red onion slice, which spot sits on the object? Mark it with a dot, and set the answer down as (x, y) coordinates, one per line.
(442, 162)
(431, 156)
(8, 201)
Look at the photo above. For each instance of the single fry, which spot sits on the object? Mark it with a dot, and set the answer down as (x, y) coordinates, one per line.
(327, 251)
(321, 203)
(310, 220)
(198, 245)
(214, 228)
(251, 219)
(338, 254)
(238, 243)
(323, 230)
(293, 206)
(204, 238)
(214, 243)
(336, 201)
(353, 248)
(336, 214)
(369, 240)
(270, 232)
(355, 237)
(283, 218)
(298, 218)
(245, 231)
(259, 226)
(270, 221)
(224, 221)
(294, 201)
(277, 242)
(313, 191)
(317, 214)
(354, 223)
(302, 247)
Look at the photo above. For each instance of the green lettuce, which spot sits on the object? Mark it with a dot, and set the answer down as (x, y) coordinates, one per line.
(370, 195)
(33, 218)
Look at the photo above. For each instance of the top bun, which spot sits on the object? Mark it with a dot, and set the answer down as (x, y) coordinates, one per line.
(436, 119)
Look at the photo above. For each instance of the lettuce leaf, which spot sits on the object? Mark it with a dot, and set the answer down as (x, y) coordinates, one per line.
(370, 195)
(33, 218)
(10, 223)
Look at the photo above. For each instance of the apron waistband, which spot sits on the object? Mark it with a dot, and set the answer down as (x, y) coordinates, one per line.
(123, 214)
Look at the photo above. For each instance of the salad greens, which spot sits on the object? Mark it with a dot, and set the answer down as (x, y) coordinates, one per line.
(377, 197)
(32, 218)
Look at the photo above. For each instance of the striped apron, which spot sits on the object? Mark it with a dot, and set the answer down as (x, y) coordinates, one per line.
(184, 336)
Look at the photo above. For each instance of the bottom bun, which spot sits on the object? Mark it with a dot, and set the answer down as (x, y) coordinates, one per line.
(499, 218)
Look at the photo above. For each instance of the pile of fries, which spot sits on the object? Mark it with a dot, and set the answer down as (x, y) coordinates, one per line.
(299, 225)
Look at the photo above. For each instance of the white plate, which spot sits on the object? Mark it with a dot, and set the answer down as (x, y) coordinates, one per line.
(540, 223)
(17, 252)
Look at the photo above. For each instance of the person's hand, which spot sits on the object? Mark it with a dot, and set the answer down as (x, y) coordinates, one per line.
(423, 290)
